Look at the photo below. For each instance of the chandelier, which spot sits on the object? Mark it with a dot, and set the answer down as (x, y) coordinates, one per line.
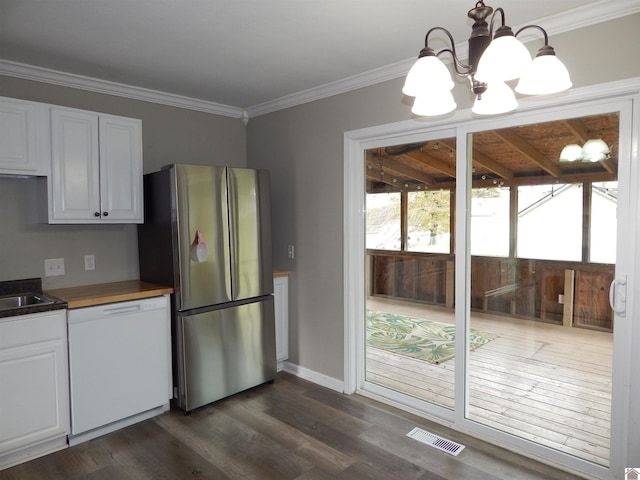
(493, 61)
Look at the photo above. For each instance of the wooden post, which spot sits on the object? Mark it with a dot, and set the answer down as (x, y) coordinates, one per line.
(567, 313)
(450, 285)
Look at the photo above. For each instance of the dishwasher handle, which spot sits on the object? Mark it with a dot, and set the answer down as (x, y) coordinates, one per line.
(133, 307)
(121, 310)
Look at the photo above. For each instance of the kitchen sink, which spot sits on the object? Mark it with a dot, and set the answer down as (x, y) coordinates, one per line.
(20, 300)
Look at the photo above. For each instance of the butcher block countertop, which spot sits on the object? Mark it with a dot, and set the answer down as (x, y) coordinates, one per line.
(101, 293)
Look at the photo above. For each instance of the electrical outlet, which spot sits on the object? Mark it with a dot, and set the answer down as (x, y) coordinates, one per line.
(89, 262)
(53, 267)
(291, 252)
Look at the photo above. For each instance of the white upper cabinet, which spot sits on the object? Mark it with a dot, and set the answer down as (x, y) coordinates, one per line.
(24, 137)
(96, 168)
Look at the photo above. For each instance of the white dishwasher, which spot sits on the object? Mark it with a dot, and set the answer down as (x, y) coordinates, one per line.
(120, 365)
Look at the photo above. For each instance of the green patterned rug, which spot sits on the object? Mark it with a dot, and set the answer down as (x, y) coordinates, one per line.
(421, 339)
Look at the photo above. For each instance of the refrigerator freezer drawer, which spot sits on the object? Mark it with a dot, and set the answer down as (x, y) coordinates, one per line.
(223, 352)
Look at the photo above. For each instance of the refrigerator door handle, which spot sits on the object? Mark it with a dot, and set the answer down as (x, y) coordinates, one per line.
(232, 267)
(232, 202)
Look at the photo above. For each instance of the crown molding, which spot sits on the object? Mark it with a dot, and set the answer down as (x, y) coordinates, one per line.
(355, 82)
(581, 17)
(39, 74)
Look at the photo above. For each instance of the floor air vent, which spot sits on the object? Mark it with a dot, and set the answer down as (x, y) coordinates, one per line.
(435, 441)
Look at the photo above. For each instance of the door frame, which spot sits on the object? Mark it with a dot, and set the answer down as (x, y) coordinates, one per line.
(624, 443)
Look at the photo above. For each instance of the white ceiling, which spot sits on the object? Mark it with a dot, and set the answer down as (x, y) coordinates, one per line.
(247, 53)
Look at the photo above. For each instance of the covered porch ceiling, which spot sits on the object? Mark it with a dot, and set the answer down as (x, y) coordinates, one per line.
(514, 156)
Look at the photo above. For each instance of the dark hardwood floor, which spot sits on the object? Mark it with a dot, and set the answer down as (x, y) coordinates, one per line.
(291, 429)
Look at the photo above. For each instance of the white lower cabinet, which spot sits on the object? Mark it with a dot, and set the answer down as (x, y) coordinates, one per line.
(281, 307)
(34, 388)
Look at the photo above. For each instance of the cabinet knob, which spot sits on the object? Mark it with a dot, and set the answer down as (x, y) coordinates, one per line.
(105, 214)
(96, 214)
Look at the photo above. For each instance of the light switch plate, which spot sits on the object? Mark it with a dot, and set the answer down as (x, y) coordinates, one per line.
(53, 267)
(89, 262)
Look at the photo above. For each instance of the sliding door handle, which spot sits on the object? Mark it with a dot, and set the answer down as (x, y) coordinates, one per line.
(618, 295)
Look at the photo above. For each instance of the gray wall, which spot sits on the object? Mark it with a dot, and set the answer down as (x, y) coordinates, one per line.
(303, 147)
(169, 135)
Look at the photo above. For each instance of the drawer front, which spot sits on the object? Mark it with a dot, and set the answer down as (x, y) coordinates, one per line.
(33, 328)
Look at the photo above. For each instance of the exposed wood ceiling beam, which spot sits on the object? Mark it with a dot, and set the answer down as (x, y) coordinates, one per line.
(393, 168)
(389, 164)
(578, 128)
(378, 176)
(538, 180)
(610, 165)
(490, 164)
(485, 160)
(529, 151)
(432, 162)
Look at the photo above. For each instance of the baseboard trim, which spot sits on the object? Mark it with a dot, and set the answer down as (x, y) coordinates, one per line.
(32, 452)
(315, 377)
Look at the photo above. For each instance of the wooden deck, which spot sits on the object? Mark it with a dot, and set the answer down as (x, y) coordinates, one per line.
(545, 383)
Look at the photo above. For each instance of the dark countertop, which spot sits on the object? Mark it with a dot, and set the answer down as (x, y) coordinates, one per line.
(29, 285)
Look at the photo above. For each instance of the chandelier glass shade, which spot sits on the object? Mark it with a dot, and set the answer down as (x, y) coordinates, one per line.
(493, 60)
(498, 98)
(426, 75)
(492, 65)
(545, 75)
(594, 150)
(434, 104)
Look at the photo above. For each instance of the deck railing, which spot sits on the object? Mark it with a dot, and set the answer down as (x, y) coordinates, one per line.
(566, 293)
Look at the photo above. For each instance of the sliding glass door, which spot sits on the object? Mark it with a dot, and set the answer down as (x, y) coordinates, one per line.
(542, 235)
(489, 282)
(410, 324)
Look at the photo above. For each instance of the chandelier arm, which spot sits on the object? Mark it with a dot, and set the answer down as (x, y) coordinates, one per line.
(544, 32)
(457, 64)
(460, 68)
(499, 9)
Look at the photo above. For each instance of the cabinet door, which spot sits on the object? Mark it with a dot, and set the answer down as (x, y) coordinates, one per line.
(75, 171)
(281, 308)
(34, 389)
(121, 169)
(22, 138)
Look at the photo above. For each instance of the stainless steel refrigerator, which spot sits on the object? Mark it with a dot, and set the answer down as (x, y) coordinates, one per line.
(207, 232)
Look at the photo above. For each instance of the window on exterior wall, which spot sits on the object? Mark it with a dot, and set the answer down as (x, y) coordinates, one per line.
(490, 222)
(429, 221)
(604, 202)
(383, 225)
(542, 232)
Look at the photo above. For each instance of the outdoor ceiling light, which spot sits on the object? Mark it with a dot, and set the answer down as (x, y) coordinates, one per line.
(594, 150)
(491, 63)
